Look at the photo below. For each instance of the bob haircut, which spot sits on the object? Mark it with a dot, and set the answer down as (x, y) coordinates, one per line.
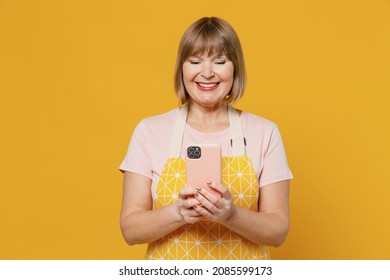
(211, 35)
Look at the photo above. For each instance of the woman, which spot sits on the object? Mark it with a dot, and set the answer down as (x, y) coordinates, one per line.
(178, 221)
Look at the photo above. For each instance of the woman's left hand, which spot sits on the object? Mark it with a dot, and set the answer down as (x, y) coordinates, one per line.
(218, 209)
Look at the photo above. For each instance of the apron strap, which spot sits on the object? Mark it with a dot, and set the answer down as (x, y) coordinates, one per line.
(180, 124)
(178, 132)
(238, 138)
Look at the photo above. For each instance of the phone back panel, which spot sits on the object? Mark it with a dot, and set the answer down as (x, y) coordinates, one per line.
(206, 168)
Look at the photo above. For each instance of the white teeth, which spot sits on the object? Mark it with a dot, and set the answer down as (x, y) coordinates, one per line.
(207, 85)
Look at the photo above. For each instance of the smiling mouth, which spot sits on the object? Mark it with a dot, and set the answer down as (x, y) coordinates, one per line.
(207, 86)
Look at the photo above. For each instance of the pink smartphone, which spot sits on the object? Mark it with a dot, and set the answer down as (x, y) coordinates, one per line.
(203, 163)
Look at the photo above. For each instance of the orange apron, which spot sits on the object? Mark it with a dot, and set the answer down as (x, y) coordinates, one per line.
(207, 240)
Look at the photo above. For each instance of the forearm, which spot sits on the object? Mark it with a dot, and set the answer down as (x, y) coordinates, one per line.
(146, 226)
(259, 227)
(268, 227)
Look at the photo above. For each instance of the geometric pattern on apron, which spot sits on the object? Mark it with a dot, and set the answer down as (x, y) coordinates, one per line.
(207, 240)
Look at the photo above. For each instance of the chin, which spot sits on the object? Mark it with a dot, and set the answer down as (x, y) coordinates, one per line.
(210, 104)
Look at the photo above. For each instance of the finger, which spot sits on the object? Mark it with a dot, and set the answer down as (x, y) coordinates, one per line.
(210, 196)
(194, 213)
(182, 196)
(190, 212)
(218, 187)
(204, 212)
(209, 205)
(185, 192)
(191, 216)
(190, 202)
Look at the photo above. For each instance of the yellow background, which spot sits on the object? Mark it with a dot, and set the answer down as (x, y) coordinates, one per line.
(77, 76)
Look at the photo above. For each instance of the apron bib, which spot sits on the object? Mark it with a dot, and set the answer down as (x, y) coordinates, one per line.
(207, 240)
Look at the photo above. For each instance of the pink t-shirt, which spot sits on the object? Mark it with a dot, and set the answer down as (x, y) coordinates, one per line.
(150, 143)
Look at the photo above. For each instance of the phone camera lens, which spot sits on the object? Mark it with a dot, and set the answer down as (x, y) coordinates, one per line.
(193, 152)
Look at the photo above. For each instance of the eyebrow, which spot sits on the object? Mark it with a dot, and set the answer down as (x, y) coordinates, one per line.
(212, 57)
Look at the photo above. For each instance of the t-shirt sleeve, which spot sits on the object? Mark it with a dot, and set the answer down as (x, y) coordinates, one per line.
(137, 159)
(275, 167)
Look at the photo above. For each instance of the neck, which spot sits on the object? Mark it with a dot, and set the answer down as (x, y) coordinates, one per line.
(207, 119)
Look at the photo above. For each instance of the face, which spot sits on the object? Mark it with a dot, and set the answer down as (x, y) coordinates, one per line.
(208, 79)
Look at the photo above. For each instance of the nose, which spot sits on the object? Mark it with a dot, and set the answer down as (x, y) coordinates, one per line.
(207, 70)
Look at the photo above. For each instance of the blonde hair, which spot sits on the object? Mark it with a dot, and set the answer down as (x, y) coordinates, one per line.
(211, 35)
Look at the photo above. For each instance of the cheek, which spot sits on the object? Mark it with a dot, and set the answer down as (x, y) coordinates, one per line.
(229, 77)
(186, 76)
(228, 74)
(188, 73)
(187, 80)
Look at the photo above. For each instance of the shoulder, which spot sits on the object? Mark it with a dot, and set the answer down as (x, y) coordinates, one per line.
(256, 123)
(158, 125)
(161, 119)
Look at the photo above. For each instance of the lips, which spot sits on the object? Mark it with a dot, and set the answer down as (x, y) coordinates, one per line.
(207, 86)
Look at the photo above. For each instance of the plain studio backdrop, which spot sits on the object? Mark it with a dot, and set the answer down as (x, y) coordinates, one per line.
(77, 76)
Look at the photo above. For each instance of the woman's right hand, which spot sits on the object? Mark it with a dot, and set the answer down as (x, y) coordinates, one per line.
(185, 206)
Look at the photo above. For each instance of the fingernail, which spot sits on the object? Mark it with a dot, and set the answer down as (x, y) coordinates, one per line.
(198, 189)
(195, 194)
(208, 182)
